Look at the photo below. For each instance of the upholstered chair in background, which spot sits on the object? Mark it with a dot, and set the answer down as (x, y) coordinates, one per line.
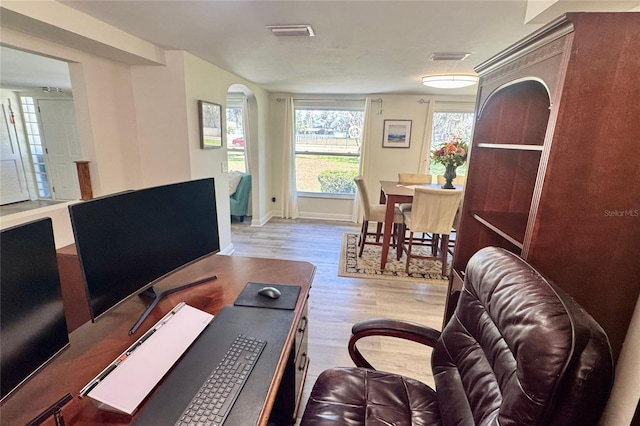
(373, 213)
(433, 213)
(411, 179)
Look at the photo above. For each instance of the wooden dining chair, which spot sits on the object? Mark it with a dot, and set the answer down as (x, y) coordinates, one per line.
(411, 179)
(452, 236)
(433, 212)
(374, 213)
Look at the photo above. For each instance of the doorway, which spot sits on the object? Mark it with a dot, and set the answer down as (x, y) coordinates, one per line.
(42, 125)
(236, 138)
(241, 131)
(50, 127)
(61, 145)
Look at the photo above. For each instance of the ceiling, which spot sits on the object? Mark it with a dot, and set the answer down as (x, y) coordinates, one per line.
(25, 71)
(360, 47)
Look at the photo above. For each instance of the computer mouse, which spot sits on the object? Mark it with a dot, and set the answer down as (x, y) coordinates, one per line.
(270, 292)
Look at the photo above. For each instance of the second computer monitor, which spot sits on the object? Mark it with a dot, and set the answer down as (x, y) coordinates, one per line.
(128, 241)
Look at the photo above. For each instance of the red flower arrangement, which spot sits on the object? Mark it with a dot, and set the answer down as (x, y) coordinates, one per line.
(451, 153)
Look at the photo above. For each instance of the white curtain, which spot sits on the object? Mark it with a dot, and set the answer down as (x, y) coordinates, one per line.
(425, 152)
(358, 211)
(246, 127)
(289, 195)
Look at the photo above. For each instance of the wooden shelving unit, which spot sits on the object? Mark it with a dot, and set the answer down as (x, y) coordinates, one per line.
(514, 146)
(555, 147)
(510, 226)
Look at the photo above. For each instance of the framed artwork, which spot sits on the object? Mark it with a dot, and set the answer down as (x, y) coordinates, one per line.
(397, 134)
(210, 115)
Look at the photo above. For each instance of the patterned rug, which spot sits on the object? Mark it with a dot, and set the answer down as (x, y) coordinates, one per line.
(368, 266)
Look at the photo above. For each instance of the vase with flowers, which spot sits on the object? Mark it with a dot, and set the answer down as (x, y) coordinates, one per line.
(450, 154)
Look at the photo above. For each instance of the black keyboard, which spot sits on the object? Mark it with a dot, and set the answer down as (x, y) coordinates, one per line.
(212, 403)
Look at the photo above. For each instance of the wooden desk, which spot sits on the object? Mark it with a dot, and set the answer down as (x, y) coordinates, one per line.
(391, 194)
(95, 345)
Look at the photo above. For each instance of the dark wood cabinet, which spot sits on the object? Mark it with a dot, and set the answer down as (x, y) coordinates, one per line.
(554, 166)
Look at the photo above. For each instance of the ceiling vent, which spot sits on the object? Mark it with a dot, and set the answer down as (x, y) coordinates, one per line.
(449, 56)
(291, 30)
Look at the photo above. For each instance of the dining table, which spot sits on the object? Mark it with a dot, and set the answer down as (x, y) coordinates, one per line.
(391, 194)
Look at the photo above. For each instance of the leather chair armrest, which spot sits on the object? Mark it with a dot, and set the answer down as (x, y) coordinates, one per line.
(391, 328)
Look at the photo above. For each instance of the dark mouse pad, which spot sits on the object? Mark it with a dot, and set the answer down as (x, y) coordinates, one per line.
(250, 296)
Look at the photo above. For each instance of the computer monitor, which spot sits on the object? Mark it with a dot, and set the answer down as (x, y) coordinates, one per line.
(128, 241)
(33, 329)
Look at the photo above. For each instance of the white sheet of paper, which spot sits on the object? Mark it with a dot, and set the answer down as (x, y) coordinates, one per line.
(125, 387)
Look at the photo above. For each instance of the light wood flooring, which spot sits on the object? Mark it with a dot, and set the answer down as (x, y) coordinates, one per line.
(336, 303)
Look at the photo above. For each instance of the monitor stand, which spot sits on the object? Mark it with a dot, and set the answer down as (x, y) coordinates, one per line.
(54, 410)
(156, 298)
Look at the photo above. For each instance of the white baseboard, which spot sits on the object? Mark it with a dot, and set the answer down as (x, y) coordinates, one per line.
(262, 220)
(303, 215)
(326, 216)
(228, 249)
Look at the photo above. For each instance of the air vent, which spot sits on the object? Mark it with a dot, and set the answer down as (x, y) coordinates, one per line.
(291, 30)
(448, 56)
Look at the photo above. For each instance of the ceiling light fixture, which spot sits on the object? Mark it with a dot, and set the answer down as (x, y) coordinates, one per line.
(449, 81)
(304, 30)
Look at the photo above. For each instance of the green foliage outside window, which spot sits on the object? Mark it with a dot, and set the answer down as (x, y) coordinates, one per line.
(337, 181)
(327, 149)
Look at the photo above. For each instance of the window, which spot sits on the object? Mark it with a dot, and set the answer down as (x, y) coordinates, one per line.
(327, 147)
(446, 124)
(236, 154)
(35, 146)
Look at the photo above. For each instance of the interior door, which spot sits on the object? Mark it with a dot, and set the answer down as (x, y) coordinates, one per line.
(13, 183)
(58, 120)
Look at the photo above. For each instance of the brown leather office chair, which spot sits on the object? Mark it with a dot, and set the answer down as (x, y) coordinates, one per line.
(374, 213)
(517, 351)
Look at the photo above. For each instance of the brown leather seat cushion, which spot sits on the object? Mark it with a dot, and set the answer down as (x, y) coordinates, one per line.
(356, 396)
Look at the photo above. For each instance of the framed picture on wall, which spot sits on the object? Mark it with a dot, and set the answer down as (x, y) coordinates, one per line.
(210, 115)
(397, 134)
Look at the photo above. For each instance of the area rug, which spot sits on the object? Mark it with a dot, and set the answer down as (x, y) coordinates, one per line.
(368, 266)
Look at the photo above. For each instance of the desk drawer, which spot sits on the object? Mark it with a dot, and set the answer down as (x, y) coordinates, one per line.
(301, 358)
(302, 363)
(301, 330)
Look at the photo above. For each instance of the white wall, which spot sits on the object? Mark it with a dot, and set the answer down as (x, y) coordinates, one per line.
(161, 121)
